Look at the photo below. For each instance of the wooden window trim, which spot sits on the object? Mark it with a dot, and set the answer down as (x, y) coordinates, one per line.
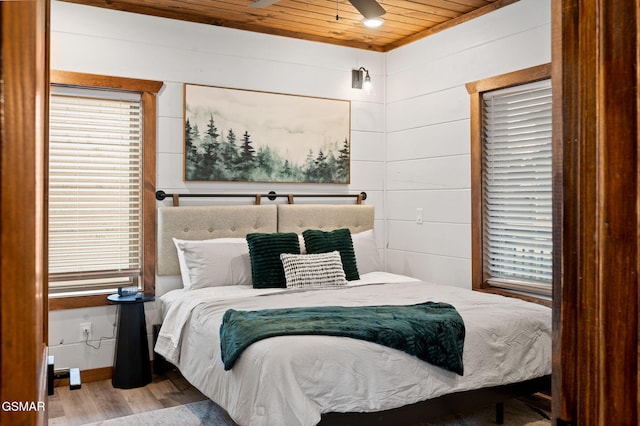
(521, 296)
(148, 89)
(475, 90)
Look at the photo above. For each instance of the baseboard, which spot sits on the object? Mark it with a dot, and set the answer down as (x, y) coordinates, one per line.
(92, 375)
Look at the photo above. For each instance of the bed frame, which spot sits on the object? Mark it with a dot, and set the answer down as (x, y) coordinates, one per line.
(206, 222)
(454, 403)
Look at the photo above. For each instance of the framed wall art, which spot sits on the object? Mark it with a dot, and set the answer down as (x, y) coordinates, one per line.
(248, 136)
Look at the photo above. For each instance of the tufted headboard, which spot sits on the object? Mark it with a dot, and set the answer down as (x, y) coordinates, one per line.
(204, 223)
(207, 222)
(298, 217)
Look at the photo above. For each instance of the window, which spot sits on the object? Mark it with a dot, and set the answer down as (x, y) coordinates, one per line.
(95, 189)
(101, 180)
(511, 183)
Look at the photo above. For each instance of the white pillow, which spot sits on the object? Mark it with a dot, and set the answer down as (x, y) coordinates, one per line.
(184, 270)
(212, 263)
(313, 270)
(367, 255)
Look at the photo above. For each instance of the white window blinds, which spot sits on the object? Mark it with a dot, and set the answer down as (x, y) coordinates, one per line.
(517, 187)
(95, 189)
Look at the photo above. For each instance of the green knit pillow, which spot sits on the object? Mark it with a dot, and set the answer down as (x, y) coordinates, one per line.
(264, 252)
(317, 241)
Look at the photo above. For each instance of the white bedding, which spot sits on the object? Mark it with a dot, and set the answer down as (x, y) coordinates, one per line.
(291, 380)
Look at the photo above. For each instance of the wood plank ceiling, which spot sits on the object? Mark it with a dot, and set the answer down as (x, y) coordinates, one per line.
(405, 20)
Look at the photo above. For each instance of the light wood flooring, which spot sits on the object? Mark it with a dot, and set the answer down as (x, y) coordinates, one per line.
(99, 400)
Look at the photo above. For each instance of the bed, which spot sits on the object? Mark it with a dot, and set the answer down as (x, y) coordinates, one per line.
(306, 380)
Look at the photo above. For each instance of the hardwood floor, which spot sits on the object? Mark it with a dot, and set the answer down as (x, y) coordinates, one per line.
(99, 400)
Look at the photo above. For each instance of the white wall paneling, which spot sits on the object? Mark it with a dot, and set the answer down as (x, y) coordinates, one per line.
(437, 238)
(427, 141)
(452, 172)
(441, 206)
(444, 270)
(503, 23)
(451, 104)
(409, 134)
(101, 41)
(427, 134)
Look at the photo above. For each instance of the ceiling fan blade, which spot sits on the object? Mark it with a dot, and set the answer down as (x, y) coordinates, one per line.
(261, 4)
(367, 8)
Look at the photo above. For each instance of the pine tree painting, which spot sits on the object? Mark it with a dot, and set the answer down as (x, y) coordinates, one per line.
(247, 136)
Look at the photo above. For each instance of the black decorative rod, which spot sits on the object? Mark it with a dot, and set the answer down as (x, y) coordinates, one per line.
(161, 195)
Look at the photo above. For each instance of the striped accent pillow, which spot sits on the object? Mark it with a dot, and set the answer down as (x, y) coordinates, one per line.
(313, 270)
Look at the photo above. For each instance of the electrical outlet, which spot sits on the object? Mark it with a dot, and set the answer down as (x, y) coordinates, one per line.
(86, 331)
(419, 215)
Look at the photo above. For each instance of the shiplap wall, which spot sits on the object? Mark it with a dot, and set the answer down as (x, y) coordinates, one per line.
(101, 41)
(427, 134)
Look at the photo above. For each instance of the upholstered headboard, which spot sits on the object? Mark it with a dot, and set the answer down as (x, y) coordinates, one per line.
(207, 222)
(299, 217)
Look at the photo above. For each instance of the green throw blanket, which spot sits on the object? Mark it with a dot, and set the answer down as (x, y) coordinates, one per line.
(433, 332)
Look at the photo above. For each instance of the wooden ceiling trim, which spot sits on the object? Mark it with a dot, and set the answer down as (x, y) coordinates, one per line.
(451, 23)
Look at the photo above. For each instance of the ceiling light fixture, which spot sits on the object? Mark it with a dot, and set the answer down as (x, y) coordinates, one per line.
(360, 79)
(373, 22)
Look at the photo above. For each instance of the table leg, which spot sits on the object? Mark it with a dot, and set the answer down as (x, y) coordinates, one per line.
(131, 366)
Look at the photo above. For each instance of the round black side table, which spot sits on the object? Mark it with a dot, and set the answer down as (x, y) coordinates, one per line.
(131, 364)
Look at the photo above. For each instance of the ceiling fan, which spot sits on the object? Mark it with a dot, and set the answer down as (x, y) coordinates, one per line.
(369, 9)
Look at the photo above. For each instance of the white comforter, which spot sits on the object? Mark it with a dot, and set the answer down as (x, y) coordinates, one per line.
(291, 380)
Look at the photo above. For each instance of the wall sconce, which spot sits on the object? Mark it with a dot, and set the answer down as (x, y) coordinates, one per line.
(360, 79)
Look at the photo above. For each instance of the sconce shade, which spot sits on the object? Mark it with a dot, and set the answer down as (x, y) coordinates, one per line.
(357, 78)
